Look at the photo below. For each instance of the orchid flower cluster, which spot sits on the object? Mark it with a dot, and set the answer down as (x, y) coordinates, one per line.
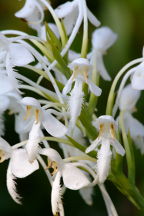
(53, 92)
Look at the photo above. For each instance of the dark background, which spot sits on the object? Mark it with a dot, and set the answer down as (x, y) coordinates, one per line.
(127, 19)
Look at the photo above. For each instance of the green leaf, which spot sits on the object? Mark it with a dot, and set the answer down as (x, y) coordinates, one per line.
(52, 37)
(61, 62)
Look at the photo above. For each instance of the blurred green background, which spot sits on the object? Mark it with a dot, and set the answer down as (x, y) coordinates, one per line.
(126, 18)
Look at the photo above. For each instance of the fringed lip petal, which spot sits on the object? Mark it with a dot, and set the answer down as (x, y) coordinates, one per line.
(20, 56)
(73, 177)
(56, 194)
(103, 161)
(53, 126)
(20, 165)
(11, 185)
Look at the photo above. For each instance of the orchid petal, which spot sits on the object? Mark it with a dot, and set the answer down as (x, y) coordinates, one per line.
(128, 98)
(65, 9)
(4, 103)
(75, 102)
(94, 21)
(68, 86)
(108, 202)
(53, 126)
(103, 38)
(5, 150)
(118, 147)
(86, 194)
(93, 145)
(27, 10)
(5, 85)
(132, 125)
(93, 88)
(30, 101)
(137, 79)
(52, 155)
(20, 165)
(73, 177)
(20, 56)
(101, 67)
(56, 194)
(11, 185)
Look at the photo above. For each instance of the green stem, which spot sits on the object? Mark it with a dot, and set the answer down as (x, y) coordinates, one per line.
(85, 32)
(128, 189)
(129, 151)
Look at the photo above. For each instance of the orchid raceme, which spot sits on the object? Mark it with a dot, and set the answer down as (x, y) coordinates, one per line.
(51, 92)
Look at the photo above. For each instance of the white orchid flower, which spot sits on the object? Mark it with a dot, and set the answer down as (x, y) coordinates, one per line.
(102, 39)
(80, 68)
(73, 177)
(137, 79)
(49, 122)
(106, 139)
(69, 12)
(42, 118)
(19, 166)
(32, 12)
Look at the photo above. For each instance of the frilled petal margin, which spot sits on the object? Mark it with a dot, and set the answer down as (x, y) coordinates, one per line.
(20, 165)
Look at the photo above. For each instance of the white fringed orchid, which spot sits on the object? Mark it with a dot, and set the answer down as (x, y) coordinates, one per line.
(70, 12)
(73, 177)
(106, 139)
(80, 68)
(127, 102)
(19, 166)
(102, 39)
(53, 126)
(33, 13)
